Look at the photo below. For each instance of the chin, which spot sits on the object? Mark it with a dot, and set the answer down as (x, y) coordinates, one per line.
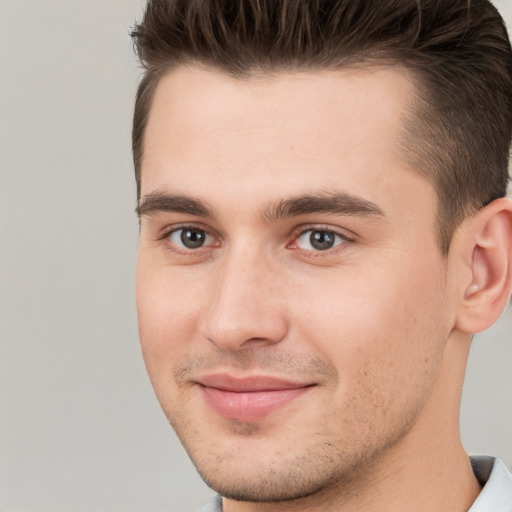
(266, 473)
(266, 485)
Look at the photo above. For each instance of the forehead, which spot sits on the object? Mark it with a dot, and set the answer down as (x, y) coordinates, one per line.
(277, 134)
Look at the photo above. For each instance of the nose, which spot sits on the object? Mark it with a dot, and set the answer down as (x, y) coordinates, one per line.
(246, 309)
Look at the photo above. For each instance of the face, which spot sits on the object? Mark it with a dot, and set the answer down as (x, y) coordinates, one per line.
(289, 284)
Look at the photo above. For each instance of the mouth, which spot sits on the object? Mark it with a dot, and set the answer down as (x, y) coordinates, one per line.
(249, 399)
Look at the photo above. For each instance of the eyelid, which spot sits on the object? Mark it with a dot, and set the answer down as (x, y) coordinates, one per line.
(167, 230)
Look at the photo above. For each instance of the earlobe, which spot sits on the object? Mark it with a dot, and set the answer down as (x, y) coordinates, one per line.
(488, 246)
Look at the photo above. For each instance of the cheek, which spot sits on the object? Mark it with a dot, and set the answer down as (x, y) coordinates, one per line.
(167, 321)
(167, 310)
(380, 328)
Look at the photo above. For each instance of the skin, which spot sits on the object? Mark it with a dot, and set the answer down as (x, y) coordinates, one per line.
(371, 325)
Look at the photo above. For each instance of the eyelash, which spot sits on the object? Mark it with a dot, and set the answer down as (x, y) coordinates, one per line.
(341, 238)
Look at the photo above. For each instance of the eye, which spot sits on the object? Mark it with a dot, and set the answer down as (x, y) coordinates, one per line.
(319, 240)
(190, 238)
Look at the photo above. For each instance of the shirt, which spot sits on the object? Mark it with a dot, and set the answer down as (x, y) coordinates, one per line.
(496, 495)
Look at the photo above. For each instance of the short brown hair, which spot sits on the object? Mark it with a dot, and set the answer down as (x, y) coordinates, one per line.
(457, 52)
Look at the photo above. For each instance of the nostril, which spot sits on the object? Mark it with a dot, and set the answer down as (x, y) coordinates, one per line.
(233, 343)
(254, 342)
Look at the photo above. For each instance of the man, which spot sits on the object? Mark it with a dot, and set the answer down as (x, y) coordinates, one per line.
(323, 228)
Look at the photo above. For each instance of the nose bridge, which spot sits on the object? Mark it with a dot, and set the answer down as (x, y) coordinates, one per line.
(245, 308)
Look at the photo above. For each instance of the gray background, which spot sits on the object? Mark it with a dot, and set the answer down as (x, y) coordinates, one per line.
(80, 429)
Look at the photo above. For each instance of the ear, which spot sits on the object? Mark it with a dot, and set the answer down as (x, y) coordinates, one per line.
(485, 250)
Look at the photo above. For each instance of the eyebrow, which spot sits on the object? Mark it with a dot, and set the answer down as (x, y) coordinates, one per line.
(156, 202)
(336, 203)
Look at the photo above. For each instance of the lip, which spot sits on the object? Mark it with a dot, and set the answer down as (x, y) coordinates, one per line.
(251, 398)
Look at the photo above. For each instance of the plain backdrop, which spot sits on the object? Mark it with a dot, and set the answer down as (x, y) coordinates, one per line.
(80, 429)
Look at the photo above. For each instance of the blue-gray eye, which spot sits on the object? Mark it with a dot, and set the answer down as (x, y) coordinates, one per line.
(319, 240)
